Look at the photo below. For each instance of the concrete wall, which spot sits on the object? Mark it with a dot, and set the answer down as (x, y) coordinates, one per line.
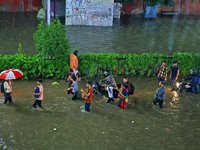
(89, 12)
(20, 5)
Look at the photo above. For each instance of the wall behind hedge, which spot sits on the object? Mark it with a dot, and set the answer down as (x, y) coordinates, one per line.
(95, 64)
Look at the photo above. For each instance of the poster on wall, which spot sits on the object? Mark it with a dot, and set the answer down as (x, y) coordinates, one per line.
(100, 15)
(150, 11)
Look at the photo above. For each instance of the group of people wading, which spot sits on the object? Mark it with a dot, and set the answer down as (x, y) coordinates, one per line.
(193, 81)
(122, 91)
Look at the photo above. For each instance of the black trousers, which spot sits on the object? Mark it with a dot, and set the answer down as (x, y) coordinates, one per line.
(75, 95)
(7, 98)
(109, 100)
(37, 102)
(158, 101)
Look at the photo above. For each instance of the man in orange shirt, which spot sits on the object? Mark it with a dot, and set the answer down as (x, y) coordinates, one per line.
(74, 62)
(88, 96)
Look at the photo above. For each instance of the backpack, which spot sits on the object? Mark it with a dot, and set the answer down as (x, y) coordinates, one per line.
(37, 90)
(131, 88)
(2, 87)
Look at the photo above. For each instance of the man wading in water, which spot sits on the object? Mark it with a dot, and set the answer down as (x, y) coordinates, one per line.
(160, 95)
(162, 75)
(174, 72)
(110, 83)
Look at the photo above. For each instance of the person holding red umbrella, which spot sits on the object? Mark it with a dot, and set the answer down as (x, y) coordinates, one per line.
(9, 75)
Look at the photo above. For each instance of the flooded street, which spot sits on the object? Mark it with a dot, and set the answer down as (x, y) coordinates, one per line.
(63, 125)
(130, 34)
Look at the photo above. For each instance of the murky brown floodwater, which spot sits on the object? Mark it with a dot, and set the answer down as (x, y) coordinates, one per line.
(175, 127)
(130, 34)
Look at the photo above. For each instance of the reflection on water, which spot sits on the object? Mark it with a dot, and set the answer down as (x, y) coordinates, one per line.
(64, 125)
(130, 34)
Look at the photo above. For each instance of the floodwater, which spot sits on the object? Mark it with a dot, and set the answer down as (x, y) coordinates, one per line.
(130, 34)
(64, 125)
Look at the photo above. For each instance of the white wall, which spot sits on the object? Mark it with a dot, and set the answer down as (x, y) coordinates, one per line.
(89, 12)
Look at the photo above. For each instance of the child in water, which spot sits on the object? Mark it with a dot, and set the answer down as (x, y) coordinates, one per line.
(87, 95)
(38, 95)
(37, 90)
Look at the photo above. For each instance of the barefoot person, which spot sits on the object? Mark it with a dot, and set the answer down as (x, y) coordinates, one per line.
(39, 99)
(87, 95)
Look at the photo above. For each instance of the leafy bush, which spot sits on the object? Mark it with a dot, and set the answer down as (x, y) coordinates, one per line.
(95, 64)
(51, 41)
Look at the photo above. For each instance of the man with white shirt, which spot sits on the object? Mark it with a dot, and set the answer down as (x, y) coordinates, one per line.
(8, 89)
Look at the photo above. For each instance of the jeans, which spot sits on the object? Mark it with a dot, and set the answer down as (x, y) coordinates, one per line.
(37, 102)
(173, 81)
(158, 101)
(7, 98)
(87, 106)
(193, 85)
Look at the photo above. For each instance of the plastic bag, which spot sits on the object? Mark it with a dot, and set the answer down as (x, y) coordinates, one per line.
(41, 16)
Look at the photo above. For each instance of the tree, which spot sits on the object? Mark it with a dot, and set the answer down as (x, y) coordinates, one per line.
(51, 41)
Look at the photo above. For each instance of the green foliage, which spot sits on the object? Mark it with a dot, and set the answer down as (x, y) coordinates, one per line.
(51, 41)
(92, 64)
(128, 1)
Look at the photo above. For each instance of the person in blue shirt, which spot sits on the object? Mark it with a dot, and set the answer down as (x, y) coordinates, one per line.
(193, 78)
(174, 72)
(160, 94)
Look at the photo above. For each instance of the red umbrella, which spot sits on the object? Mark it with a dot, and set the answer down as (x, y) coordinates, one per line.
(11, 74)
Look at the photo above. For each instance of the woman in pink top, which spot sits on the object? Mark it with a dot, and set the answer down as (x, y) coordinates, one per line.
(38, 100)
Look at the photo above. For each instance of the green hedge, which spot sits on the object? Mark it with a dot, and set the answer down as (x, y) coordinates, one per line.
(94, 64)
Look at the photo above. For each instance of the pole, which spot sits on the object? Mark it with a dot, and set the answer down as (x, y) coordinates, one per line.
(48, 12)
(54, 7)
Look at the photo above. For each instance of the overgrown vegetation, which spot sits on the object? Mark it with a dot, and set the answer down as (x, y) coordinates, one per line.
(51, 41)
(94, 64)
(154, 2)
